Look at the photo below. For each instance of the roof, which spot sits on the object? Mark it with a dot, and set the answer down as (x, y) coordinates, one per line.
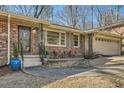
(104, 33)
(24, 17)
(70, 29)
(56, 26)
(112, 25)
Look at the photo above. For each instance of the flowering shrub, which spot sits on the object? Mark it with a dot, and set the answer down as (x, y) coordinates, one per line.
(56, 53)
(72, 52)
(64, 53)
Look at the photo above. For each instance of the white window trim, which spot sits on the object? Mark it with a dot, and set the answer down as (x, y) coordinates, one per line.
(46, 43)
(78, 40)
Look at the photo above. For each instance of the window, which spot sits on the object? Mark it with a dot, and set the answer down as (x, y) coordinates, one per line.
(62, 38)
(76, 40)
(122, 41)
(52, 38)
(55, 38)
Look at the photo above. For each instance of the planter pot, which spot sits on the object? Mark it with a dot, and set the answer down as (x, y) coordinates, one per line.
(15, 64)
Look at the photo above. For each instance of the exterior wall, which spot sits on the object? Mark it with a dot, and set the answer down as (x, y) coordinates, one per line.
(82, 44)
(106, 47)
(78, 52)
(88, 44)
(3, 40)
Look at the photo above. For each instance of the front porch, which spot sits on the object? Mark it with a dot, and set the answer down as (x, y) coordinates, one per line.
(27, 35)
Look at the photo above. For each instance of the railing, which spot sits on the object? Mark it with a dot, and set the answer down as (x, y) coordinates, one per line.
(42, 52)
(22, 54)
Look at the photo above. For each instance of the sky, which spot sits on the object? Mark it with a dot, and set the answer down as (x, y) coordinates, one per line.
(60, 7)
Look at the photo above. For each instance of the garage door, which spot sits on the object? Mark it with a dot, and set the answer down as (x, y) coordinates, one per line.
(106, 46)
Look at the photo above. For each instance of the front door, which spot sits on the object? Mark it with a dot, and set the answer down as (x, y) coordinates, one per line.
(25, 38)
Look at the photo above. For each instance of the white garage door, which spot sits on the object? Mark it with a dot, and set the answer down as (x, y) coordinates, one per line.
(106, 46)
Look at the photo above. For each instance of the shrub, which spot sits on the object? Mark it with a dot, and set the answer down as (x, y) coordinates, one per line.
(72, 52)
(55, 53)
(15, 51)
(90, 56)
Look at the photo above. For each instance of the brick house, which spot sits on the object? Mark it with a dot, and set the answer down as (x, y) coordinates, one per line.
(31, 32)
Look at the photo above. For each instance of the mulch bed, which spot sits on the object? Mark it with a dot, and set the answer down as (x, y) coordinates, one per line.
(5, 70)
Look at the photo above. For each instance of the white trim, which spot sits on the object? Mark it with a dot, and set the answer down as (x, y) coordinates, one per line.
(54, 30)
(78, 40)
(8, 39)
(55, 45)
(59, 38)
(45, 37)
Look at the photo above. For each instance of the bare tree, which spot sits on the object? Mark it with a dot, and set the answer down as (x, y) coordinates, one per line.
(68, 16)
(37, 11)
(75, 16)
(107, 15)
(3, 7)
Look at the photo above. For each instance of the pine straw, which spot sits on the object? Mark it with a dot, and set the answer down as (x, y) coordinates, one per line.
(5, 70)
(90, 81)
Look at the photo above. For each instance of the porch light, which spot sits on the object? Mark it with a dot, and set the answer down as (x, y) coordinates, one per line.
(35, 29)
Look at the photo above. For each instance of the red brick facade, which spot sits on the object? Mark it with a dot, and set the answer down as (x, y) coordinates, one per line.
(3, 40)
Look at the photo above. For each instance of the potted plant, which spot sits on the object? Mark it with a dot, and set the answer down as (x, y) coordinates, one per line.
(15, 63)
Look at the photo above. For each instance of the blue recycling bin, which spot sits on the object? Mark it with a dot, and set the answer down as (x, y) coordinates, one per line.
(15, 64)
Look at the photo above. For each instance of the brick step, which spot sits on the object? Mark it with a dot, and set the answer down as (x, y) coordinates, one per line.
(1, 58)
(31, 56)
(2, 49)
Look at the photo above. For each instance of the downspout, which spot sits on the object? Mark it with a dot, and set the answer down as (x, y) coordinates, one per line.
(8, 39)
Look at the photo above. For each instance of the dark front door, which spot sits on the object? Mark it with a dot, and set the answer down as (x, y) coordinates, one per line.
(25, 38)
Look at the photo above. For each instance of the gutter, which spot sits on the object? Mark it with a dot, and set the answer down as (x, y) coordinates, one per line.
(8, 39)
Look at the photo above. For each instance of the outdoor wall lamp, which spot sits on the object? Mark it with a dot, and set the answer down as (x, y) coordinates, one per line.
(35, 29)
